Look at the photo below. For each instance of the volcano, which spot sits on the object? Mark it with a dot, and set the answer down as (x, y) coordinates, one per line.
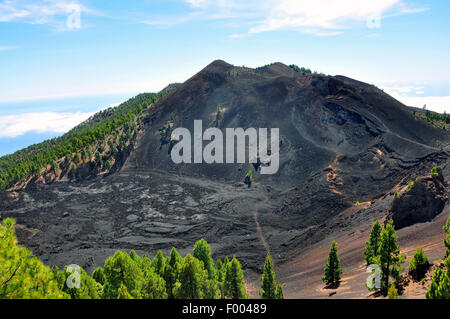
(345, 148)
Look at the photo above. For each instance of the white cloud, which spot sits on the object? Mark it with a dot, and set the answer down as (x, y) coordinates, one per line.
(56, 12)
(19, 124)
(413, 95)
(433, 103)
(319, 17)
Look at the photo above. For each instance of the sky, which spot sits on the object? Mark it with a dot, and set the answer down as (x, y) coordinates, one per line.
(63, 60)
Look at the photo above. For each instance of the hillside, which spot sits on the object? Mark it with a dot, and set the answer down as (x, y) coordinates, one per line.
(346, 148)
(97, 145)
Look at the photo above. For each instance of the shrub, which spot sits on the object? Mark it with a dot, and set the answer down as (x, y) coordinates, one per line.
(434, 172)
(410, 185)
(418, 265)
(392, 293)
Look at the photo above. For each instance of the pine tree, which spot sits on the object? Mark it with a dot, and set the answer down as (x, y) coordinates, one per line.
(434, 172)
(279, 292)
(171, 272)
(268, 282)
(221, 272)
(88, 288)
(99, 276)
(193, 277)
(153, 287)
(202, 252)
(440, 283)
(22, 275)
(120, 270)
(390, 259)
(159, 262)
(333, 270)
(371, 250)
(418, 265)
(446, 229)
(234, 281)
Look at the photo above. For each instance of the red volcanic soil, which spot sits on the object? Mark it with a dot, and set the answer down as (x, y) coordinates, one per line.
(301, 277)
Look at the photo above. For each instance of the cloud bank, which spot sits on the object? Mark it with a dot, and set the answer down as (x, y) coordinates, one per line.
(319, 17)
(19, 124)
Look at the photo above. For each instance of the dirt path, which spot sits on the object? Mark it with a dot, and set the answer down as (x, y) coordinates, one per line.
(258, 226)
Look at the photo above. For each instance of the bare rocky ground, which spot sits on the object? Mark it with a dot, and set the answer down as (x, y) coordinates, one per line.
(346, 147)
(84, 223)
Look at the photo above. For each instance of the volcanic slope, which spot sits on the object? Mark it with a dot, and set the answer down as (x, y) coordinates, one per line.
(342, 142)
(325, 122)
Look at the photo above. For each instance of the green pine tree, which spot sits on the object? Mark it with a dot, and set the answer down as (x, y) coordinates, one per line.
(171, 272)
(418, 265)
(440, 283)
(99, 275)
(88, 288)
(153, 287)
(22, 275)
(159, 262)
(234, 284)
(268, 281)
(192, 277)
(202, 252)
(279, 292)
(333, 270)
(434, 172)
(446, 229)
(221, 272)
(390, 259)
(121, 270)
(371, 249)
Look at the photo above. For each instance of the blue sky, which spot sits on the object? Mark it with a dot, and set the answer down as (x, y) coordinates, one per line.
(61, 60)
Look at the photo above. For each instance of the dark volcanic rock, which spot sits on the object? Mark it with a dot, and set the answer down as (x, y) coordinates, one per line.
(421, 203)
(342, 142)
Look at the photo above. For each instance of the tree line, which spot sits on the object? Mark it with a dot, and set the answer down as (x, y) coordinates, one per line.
(128, 275)
(75, 145)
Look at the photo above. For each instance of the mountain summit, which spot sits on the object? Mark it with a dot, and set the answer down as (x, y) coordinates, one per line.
(324, 121)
